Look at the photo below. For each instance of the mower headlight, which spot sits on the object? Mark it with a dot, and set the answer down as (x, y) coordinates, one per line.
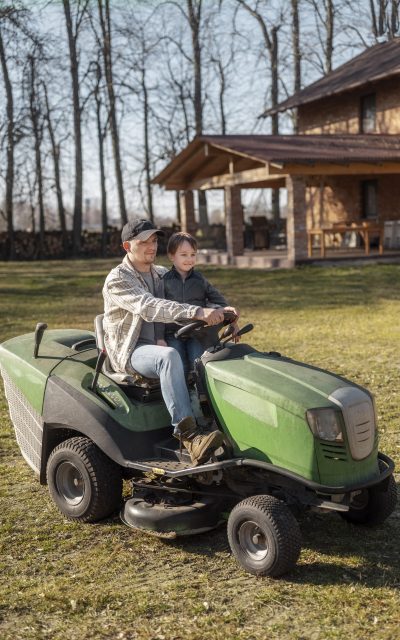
(325, 424)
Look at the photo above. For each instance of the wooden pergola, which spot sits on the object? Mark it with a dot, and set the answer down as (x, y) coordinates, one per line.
(240, 162)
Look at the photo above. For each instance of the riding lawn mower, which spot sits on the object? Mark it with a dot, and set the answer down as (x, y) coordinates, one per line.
(296, 438)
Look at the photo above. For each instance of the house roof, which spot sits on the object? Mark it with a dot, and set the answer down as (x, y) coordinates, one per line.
(375, 63)
(222, 157)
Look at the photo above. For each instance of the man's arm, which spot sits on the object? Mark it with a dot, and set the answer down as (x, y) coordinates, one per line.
(128, 294)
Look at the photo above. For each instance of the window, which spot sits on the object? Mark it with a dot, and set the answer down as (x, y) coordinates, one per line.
(369, 199)
(368, 114)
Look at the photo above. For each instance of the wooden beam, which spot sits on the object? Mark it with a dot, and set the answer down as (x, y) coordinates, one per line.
(326, 169)
(231, 180)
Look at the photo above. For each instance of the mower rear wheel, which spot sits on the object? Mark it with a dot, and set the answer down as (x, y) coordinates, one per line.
(372, 506)
(83, 482)
(264, 536)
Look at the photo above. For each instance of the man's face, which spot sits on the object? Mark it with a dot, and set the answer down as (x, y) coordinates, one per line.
(143, 251)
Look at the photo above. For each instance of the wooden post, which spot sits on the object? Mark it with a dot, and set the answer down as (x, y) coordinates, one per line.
(296, 230)
(188, 222)
(234, 222)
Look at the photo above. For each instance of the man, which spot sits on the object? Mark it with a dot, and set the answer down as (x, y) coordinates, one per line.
(132, 310)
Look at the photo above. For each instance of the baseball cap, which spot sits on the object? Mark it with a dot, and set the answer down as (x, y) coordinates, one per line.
(139, 230)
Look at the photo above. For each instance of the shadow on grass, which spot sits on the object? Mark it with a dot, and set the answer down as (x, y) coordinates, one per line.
(334, 552)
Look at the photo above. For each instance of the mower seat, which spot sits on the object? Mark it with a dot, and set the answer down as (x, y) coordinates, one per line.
(146, 384)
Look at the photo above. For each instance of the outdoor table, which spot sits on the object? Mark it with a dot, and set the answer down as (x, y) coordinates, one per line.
(365, 229)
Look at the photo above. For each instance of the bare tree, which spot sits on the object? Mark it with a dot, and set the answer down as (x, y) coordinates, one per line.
(102, 122)
(37, 122)
(384, 18)
(269, 32)
(55, 152)
(324, 13)
(105, 24)
(192, 14)
(296, 52)
(10, 252)
(74, 26)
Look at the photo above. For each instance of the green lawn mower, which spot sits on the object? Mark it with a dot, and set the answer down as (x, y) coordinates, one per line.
(296, 438)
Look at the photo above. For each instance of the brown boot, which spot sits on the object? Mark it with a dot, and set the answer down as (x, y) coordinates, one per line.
(199, 445)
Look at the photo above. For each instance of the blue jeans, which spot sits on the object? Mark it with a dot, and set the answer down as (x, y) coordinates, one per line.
(188, 350)
(165, 363)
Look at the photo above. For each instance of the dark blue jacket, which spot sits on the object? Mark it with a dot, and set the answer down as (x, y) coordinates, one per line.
(194, 289)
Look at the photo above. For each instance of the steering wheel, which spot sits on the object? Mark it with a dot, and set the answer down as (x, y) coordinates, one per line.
(195, 326)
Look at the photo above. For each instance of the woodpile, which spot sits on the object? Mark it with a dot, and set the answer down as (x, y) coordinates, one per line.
(27, 244)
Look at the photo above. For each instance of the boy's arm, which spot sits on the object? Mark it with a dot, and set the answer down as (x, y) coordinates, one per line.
(213, 296)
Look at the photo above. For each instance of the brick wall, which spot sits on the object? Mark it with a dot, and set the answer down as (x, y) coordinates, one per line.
(338, 198)
(340, 114)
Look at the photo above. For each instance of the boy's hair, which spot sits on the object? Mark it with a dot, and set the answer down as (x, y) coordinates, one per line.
(179, 238)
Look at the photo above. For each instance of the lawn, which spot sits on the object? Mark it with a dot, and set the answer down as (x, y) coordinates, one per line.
(67, 580)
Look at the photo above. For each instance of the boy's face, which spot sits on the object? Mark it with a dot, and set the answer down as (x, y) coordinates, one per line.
(184, 258)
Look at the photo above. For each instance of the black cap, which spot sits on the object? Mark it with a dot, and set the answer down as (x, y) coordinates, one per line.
(139, 229)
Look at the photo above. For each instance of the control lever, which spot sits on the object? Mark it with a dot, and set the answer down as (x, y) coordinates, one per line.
(241, 332)
(99, 364)
(39, 331)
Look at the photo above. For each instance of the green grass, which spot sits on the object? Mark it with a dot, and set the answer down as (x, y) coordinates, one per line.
(65, 580)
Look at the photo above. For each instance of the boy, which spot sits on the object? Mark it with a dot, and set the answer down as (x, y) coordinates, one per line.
(185, 285)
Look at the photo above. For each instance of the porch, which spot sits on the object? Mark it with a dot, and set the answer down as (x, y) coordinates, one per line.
(321, 175)
(279, 259)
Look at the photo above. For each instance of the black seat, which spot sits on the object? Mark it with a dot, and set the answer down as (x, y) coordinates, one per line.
(146, 385)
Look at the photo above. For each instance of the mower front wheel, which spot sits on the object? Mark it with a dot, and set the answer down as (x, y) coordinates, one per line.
(83, 482)
(264, 536)
(372, 506)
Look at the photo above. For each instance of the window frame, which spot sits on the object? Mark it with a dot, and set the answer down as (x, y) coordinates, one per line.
(368, 121)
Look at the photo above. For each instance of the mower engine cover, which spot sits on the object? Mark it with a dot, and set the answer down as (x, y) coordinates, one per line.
(295, 416)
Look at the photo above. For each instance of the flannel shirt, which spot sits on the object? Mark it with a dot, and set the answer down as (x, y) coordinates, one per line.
(127, 303)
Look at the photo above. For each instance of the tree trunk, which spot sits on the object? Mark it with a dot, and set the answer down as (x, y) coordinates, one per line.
(275, 202)
(100, 138)
(194, 17)
(55, 150)
(147, 167)
(10, 251)
(72, 38)
(178, 207)
(329, 36)
(394, 19)
(296, 54)
(105, 23)
(374, 24)
(37, 128)
(271, 44)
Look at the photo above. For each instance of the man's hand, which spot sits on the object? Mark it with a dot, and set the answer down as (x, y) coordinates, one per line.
(233, 310)
(211, 316)
(161, 343)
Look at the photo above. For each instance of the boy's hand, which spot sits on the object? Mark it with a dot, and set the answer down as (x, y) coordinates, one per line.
(235, 329)
(161, 343)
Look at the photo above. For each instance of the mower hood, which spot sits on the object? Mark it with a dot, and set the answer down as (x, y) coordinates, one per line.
(285, 383)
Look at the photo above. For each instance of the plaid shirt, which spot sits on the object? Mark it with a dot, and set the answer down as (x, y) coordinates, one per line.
(127, 303)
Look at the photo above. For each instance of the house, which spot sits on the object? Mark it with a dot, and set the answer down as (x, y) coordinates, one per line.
(341, 170)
